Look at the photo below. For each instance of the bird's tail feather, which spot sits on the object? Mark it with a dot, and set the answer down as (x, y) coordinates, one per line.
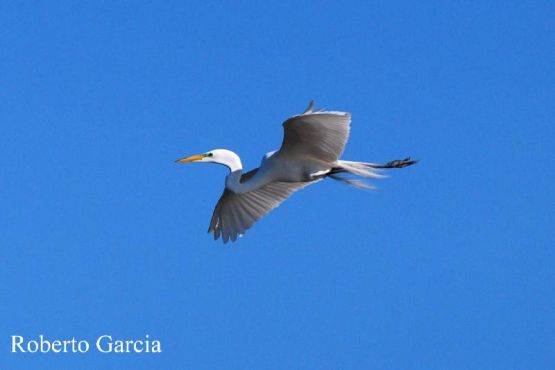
(364, 170)
(360, 184)
(360, 169)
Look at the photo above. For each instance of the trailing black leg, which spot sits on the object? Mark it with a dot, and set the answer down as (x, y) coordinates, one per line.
(399, 163)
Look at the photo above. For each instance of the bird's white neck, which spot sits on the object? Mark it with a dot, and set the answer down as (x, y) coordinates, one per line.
(233, 180)
(227, 158)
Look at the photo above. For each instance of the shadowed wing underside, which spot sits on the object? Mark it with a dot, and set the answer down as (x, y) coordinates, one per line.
(319, 136)
(235, 213)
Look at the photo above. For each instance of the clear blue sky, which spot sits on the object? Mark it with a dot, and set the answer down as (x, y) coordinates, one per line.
(449, 264)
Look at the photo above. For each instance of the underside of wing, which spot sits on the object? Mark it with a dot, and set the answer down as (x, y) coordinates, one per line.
(235, 213)
(316, 135)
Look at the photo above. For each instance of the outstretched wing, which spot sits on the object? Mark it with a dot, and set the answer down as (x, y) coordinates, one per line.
(317, 135)
(235, 213)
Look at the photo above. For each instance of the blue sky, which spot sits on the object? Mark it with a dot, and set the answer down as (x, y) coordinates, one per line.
(449, 264)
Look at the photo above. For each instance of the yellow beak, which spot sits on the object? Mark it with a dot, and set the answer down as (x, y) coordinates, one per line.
(192, 158)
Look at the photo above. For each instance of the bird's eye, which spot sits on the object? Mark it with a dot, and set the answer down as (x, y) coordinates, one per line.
(209, 155)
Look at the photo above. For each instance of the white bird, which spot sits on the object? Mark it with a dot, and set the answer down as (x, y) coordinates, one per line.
(312, 145)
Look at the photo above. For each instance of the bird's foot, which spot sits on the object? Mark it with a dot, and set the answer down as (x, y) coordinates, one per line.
(400, 163)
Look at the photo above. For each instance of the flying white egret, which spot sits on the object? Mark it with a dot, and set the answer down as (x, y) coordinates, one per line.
(312, 144)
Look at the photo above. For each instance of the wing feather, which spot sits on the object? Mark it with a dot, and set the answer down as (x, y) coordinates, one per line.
(318, 135)
(235, 213)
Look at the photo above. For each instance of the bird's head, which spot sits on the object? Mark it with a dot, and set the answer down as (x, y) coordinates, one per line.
(219, 156)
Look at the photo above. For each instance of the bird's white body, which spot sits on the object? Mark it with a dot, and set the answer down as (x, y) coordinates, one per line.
(312, 145)
(274, 168)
